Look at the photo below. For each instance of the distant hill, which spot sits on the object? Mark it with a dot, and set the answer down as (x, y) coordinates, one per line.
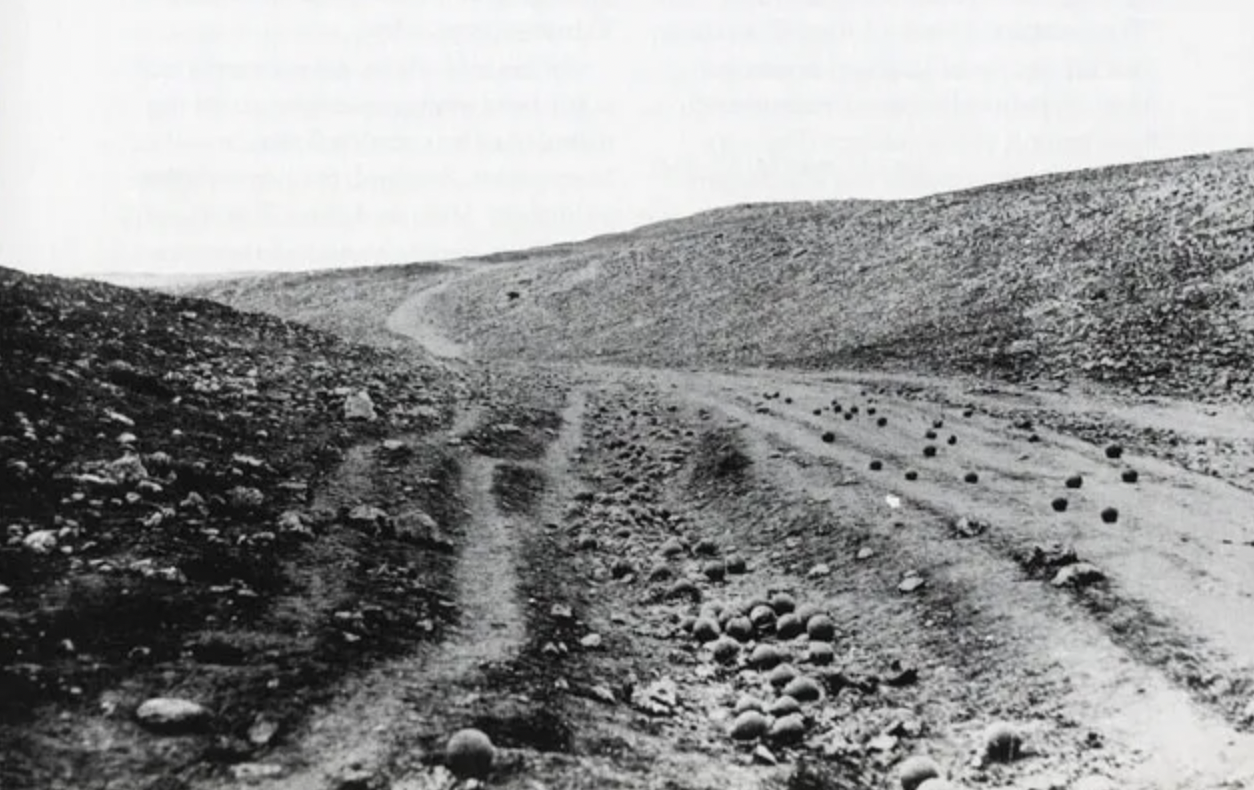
(1141, 275)
(166, 281)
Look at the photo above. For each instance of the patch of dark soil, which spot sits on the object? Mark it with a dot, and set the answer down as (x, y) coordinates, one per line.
(516, 433)
(517, 488)
(719, 457)
(538, 728)
(838, 772)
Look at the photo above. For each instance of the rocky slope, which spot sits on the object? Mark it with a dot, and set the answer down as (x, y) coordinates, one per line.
(183, 520)
(1140, 275)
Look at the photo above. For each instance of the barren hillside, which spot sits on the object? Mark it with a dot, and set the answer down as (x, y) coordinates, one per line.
(1141, 275)
(748, 499)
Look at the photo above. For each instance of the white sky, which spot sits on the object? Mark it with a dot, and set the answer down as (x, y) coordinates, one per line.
(219, 135)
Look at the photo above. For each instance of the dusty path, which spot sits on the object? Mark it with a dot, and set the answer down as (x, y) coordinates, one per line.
(1166, 672)
(1147, 678)
(414, 318)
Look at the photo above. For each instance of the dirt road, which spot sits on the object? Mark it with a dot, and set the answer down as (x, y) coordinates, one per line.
(923, 517)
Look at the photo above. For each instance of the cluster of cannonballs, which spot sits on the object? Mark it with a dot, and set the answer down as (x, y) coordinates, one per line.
(754, 634)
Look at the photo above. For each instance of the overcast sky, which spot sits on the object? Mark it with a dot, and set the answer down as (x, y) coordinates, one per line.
(219, 135)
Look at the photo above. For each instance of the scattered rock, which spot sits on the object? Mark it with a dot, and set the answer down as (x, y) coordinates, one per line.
(819, 571)
(966, 527)
(659, 698)
(172, 715)
(971, 477)
(1059, 504)
(250, 773)
(1114, 452)
(1129, 476)
(41, 541)
(1075, 481)
(262, 730)
(910, 584)
(1094, 782)
(591, 641)
(1110, 515)
(1078, 574)
(470, 753)
(359, 406)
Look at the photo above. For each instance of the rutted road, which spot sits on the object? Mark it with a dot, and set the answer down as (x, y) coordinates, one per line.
(1161, 663)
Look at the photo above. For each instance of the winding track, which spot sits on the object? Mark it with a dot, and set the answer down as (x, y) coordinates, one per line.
(1165, 665)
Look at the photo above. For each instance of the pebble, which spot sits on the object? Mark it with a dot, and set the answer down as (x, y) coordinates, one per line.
(1077, 574)
(591, 641)
(255, 772)
(911, 583)
(171, 714)
(41, 541)
(820, 570)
